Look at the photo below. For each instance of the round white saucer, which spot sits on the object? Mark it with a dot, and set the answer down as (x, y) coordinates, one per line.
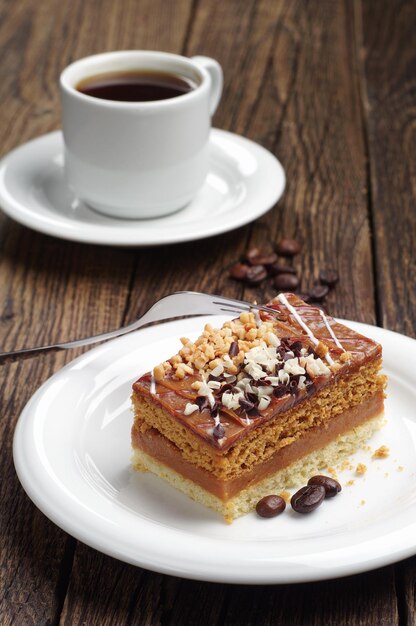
(72, 455)
(244, 181)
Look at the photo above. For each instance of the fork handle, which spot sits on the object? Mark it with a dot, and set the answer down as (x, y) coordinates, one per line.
(20, 355)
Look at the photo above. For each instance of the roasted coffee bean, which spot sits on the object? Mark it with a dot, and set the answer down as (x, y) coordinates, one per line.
(288, 247)
(285, 282)
(251, 253)
(270, 506)
(318, 292)
(308, 498)
(218, 432)
(238, 271)
(280, 268)
(331, 486)
(256, 274)
(329, 277)
(264, 259)
(234, 349)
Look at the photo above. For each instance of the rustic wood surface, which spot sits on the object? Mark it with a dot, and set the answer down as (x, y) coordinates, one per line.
(330, 87)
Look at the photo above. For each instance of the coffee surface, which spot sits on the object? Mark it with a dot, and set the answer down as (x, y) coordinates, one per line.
(136, 86)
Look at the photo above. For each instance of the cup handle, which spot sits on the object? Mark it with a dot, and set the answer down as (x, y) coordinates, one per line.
(214, 70)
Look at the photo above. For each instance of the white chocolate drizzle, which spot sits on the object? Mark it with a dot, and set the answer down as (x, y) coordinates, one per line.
(282, 298)
(152, 385)
(331, 332)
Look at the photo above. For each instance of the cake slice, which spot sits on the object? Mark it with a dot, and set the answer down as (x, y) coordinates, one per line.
(257, 406)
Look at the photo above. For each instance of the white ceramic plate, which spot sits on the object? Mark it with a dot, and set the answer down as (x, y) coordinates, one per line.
(72, 452)
(244, 181)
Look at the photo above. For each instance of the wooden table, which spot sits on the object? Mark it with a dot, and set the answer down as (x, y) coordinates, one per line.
(330, 87)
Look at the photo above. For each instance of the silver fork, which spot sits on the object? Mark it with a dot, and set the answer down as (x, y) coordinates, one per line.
(179, 304)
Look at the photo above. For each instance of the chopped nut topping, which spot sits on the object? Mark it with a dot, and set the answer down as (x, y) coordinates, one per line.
(381, 453)
(159, 372)
(361, 469)
(245, 367)
(321, 349)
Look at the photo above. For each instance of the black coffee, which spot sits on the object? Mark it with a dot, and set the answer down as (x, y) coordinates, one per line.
(136, 86)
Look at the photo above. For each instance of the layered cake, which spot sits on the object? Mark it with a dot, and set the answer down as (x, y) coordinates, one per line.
(258, 406)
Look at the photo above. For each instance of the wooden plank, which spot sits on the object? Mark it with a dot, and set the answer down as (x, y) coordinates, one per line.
(363, 600)
(386, 36)
(50, 289)
(309, 114)
(123, 594)
(406, 586)
(387, 32)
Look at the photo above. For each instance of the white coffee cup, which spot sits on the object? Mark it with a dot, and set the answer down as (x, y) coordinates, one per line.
(138, 159)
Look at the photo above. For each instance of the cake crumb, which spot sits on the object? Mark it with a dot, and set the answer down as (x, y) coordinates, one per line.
(361, 469)
(400, 468)
(350, 482)
(362, 502)
(285, 495)
(381, 453)
(386, 475)
(332, 471)
(346, 465)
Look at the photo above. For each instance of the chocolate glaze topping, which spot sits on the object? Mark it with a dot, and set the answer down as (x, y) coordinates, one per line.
(220, 427)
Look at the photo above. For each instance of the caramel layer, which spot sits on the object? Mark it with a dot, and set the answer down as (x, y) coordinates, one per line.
(161, 449)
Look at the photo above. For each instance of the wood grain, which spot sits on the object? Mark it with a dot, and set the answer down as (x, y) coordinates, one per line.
(329, 88)
(386, 30)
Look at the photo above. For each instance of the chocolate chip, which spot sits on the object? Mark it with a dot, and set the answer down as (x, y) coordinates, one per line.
(280, 391)
(331, 486)
(293, 386)
(280, 268)
(264, 259)
(246, 405)
(286, 282)
(234, 349)
(281, 351)
(218, 379)
(318, 292)
(308, 498)
(288, 247)
(202, 402)
(256, 274)
(214, 409)
(238, 271)
(218, 432)
(310, 386)
(270, 506)
(329, 277)
(296, 347)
